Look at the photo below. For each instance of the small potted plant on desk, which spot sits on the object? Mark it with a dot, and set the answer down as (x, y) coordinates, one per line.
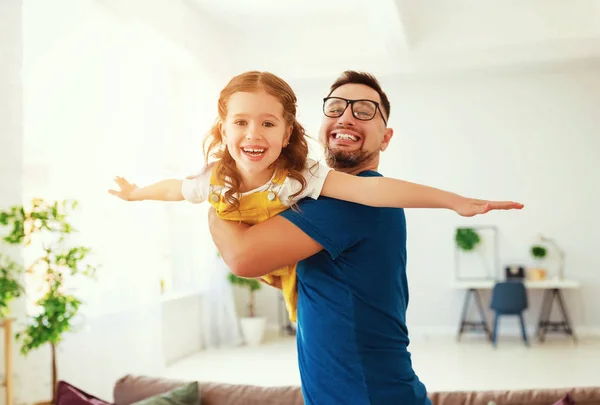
(253, 327)
(538, 273)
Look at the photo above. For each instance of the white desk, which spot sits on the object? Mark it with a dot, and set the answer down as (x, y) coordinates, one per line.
(552, 290)
(533, 285)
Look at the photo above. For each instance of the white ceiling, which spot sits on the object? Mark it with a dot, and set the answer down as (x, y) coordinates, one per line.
(299, 39)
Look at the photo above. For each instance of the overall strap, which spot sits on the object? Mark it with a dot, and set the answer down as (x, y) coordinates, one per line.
(214, 181)
(280, 176)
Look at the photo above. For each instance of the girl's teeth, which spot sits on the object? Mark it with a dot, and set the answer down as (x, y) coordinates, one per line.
(253, 152)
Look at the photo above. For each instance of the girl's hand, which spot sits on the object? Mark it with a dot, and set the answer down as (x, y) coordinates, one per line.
(468, 207)
(125, 189)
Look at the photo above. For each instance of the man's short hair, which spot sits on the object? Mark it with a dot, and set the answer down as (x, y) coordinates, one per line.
(354, 77)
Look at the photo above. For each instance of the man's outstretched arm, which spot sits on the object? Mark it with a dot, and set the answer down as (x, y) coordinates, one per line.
(260, 249)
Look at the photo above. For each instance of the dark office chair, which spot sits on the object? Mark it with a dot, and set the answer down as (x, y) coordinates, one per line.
(509, 298)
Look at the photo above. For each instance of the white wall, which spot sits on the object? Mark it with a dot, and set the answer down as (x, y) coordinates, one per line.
(11, 128)
(527, 134)
(11, 103)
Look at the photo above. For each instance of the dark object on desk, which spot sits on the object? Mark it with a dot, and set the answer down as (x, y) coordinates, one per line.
(514, 272)
(509, 299)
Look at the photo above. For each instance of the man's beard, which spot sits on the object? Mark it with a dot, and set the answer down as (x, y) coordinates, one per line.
(342, 159)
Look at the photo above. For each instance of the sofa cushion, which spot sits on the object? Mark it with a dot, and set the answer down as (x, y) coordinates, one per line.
(579, 395)
(67, 394)
(186, 394)
(566, 400)
(130, 389)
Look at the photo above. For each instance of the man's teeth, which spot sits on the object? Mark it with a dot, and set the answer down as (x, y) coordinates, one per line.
(346, 136)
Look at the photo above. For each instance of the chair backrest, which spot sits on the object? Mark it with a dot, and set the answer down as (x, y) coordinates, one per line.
(509, 297)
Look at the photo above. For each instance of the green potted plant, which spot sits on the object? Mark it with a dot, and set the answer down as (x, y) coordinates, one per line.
(538, 272)
(57, 308)
(467, 239)
(253, 327)
(10, 284)
(538, 252)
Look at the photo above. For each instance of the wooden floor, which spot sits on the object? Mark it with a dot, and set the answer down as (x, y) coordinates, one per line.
(441, 363)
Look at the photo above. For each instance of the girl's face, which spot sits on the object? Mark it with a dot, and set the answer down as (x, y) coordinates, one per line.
(255, 132)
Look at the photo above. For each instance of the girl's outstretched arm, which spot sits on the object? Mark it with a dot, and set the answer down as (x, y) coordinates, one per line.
(165, 190)
(388, 192)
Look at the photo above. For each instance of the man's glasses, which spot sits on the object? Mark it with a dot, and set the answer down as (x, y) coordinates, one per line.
(364, 110)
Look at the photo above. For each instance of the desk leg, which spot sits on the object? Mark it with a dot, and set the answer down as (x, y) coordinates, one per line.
(566, 323)
(463, 316)
(544, 314)
(544, 323)
(478, 325)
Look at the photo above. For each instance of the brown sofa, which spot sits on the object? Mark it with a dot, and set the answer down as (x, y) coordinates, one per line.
(130, 389)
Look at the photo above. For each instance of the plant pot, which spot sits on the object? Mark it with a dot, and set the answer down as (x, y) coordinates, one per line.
(537, 274)
(253, 330)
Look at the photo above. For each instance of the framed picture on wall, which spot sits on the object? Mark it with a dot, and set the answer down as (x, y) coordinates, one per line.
(476, 252)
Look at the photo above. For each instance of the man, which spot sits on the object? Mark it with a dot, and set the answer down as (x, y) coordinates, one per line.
(352, 289)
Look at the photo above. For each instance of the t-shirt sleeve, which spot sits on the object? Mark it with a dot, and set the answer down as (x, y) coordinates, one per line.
(315, 174)
(336, 225)
(195, 188)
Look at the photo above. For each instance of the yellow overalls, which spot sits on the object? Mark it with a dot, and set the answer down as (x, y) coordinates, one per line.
(255, 208)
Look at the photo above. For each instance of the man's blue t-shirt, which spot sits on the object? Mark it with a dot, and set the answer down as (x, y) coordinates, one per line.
(352, 297)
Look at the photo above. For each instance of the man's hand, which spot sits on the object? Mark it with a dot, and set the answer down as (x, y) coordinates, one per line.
(228, 236)
(468, 207)
(253, 251)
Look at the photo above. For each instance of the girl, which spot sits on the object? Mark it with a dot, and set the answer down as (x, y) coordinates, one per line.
(257, 166)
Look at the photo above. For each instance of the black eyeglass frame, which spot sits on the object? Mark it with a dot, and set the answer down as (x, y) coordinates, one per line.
(351, 103)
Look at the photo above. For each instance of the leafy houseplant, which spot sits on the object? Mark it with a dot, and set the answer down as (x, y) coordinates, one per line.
(538, 252)
(252, 285)
(538, 272)
(56, 308)
(467, 238)
(10, 286)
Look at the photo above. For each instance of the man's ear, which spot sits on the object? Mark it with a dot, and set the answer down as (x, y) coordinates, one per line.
(387, 137)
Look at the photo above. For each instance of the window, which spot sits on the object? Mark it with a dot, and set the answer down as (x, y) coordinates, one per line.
(106, 97)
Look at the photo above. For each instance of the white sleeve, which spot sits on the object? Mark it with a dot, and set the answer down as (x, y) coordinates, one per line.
(195, 188)
(315, 174)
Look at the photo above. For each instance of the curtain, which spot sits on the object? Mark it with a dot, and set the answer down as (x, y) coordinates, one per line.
(105, 97)
(220, 323)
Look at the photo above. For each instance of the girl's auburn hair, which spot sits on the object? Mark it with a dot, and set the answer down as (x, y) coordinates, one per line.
(293, 157)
